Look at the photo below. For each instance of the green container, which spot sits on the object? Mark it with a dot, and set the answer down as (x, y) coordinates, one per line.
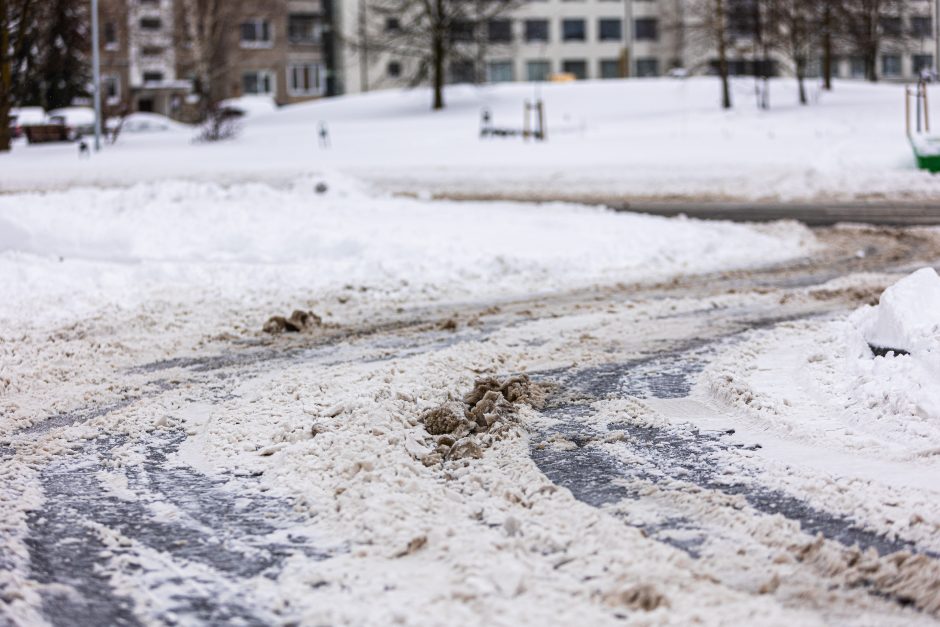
(931, 163)
(926, 152)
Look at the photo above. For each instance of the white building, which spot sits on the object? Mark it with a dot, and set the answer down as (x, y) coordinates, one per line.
(600, 39)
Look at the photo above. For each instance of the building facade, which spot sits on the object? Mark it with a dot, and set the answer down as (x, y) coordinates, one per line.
(298, 50)
(277, 48)
(601, 39)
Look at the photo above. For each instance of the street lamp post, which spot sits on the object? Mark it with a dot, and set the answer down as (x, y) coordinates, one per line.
(96, 72)
(627, 34)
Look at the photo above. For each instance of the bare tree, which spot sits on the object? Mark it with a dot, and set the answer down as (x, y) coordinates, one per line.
(866, 24)
(828, 28)
(796, 33)
(6, 76)
(706, 28)
(204, 25)
(435, 33)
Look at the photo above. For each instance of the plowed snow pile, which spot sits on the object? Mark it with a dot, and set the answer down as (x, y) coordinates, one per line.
(220, 247)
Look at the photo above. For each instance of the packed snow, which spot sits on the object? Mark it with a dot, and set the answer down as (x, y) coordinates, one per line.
(657, 138)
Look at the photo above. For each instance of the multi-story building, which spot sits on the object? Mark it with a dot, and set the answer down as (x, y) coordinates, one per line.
(599, 39)
(296, 50)
(278, 48)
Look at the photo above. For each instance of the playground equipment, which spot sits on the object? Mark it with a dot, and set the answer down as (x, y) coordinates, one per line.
(926, 147)
(533, 123)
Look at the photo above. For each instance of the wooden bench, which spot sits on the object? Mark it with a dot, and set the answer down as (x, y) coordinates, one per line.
(46, 133)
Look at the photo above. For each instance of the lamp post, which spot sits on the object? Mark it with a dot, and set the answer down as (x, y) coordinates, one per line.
(627, 34)
(96, 72)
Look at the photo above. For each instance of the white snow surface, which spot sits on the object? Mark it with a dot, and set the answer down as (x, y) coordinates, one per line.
(68, 254)
(657, 138)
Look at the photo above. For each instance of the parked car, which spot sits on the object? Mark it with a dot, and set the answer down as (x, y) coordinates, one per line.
(143, 123)
(23, 117)
(78, 121)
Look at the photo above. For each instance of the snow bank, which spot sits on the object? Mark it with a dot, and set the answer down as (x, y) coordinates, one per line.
(67, 252)
(901, 393)
(907, 316)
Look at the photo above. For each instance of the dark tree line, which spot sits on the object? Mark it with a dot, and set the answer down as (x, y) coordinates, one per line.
(44, 50)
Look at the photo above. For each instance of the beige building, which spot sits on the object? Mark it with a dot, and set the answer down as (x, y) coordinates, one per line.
(276, 48)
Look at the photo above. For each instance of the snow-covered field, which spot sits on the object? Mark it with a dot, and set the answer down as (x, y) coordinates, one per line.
(640, 138)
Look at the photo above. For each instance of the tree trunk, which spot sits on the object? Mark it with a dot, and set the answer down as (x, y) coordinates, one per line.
(200, 31)
(872, 45)
(827, 46)
(722, 54)
(6, 78)
(438, 55)
(871, 65)
(800, 74)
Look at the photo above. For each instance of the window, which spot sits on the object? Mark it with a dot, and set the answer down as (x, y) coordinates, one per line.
(921, 63)
(461, 30)
(499, 72)
(857, 67)
(609, 29)
(921, 26)
(891, 65)
(256, 34)
(536, 30)
(577, 67)
(610, 68)
(111, 89)
(743, 18)
(538, 70)
(392, 24)
(462, 72)
(303, 29)
(305, 79)
(646, 29)
(393, 69)
(891, 26)
(573, 30)
(258, 82)
(647, 67)
(151, 51)
(150, 23)
(499, 31)
(110, 36)
(153, 77)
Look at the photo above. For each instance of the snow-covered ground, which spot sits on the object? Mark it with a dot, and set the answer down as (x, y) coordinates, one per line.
(658, 138)
(164, 459)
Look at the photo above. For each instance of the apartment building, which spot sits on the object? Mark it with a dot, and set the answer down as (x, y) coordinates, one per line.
(278, 48)
(601, 39)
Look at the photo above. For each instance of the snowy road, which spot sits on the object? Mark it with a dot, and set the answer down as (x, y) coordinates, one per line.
(239, 482)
